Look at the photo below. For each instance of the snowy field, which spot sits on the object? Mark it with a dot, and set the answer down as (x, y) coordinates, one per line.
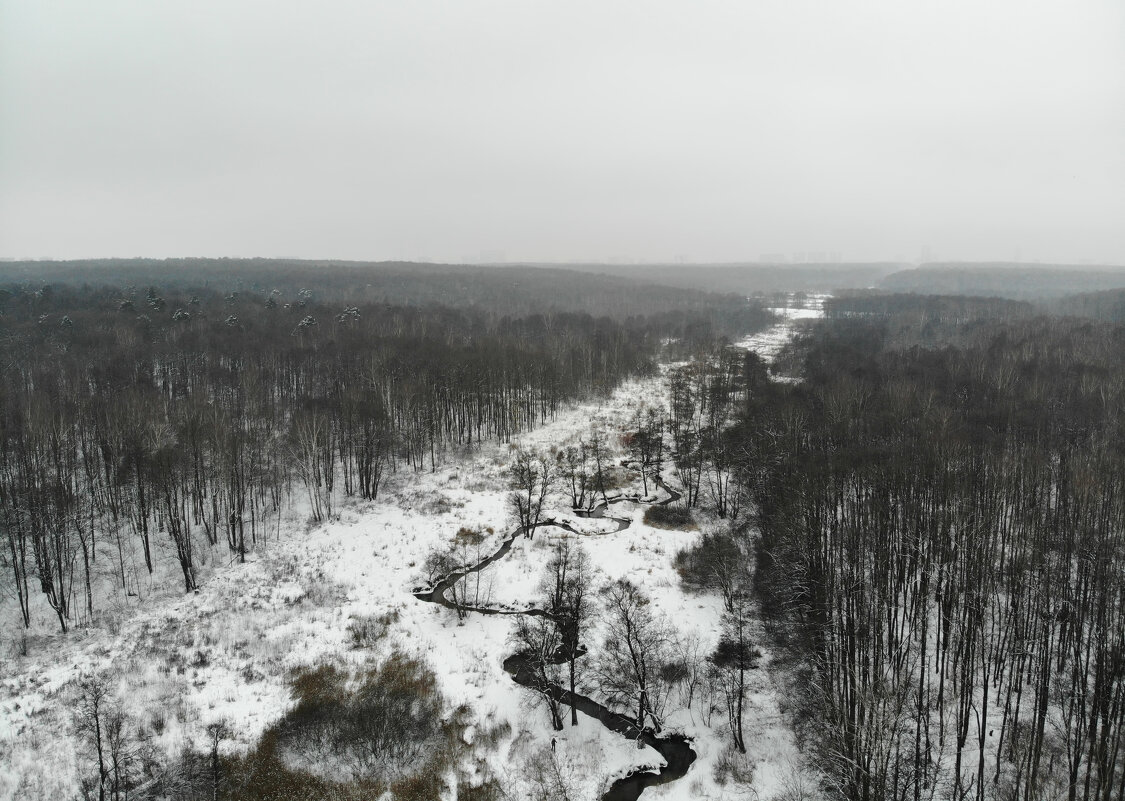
(226, 652)
(768, 343)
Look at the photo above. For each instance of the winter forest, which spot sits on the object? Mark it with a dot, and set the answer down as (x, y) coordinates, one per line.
(292, 531)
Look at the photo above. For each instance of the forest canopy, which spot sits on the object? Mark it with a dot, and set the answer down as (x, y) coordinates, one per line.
(943, 541)
(501, 291)
(182, 411)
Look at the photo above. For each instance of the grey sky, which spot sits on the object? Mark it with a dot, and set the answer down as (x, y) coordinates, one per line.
(563, 130)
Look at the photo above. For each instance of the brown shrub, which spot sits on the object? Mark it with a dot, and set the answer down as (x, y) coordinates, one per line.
(669, 517)
(353, 737)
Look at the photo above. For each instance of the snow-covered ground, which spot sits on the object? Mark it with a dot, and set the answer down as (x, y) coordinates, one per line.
(768, 343)
(226, 652)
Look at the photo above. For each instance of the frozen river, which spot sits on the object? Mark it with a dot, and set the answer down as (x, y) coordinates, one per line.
(768, 343)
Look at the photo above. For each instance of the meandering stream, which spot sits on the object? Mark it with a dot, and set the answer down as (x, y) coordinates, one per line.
(676, 749)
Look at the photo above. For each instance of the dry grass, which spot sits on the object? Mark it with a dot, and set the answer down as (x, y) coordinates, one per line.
(675, 518)
(353, 736)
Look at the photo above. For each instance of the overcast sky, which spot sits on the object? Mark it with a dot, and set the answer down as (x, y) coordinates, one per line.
(527, 130)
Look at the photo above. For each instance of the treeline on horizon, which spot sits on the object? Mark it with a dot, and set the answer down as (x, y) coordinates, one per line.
(942, 545)
(926, 320)
(933, 316)
(129, 414)
(504, 291)
(1005, 280)
(752, 277)
(1108, 305)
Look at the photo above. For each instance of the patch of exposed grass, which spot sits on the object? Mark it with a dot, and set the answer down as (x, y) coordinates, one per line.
(670, 517)
(353, 736)
(364, 631)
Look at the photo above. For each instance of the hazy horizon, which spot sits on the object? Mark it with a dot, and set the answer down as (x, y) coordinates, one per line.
(1086, 265)
(605, 133)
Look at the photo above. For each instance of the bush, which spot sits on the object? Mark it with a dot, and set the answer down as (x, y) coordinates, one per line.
(487, 791)
(715, 562)
(352, 736)
(364, 631)
(670, 517)
(732, 766)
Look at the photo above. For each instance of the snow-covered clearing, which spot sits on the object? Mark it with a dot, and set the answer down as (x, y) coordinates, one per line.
(227, 652)
(768, 343)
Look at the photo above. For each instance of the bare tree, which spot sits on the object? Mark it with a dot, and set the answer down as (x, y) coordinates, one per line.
(15, 557)
(216, 733)
(89, 724)
(636, 647)
(531, 477)
(646, 443)
(442, 562)
(716, 562)
(549, 776)
(313, 456)
(540, 649)
(693, 666)
(567, 587)
(574, 472)
(598, 452)
(733, 656)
